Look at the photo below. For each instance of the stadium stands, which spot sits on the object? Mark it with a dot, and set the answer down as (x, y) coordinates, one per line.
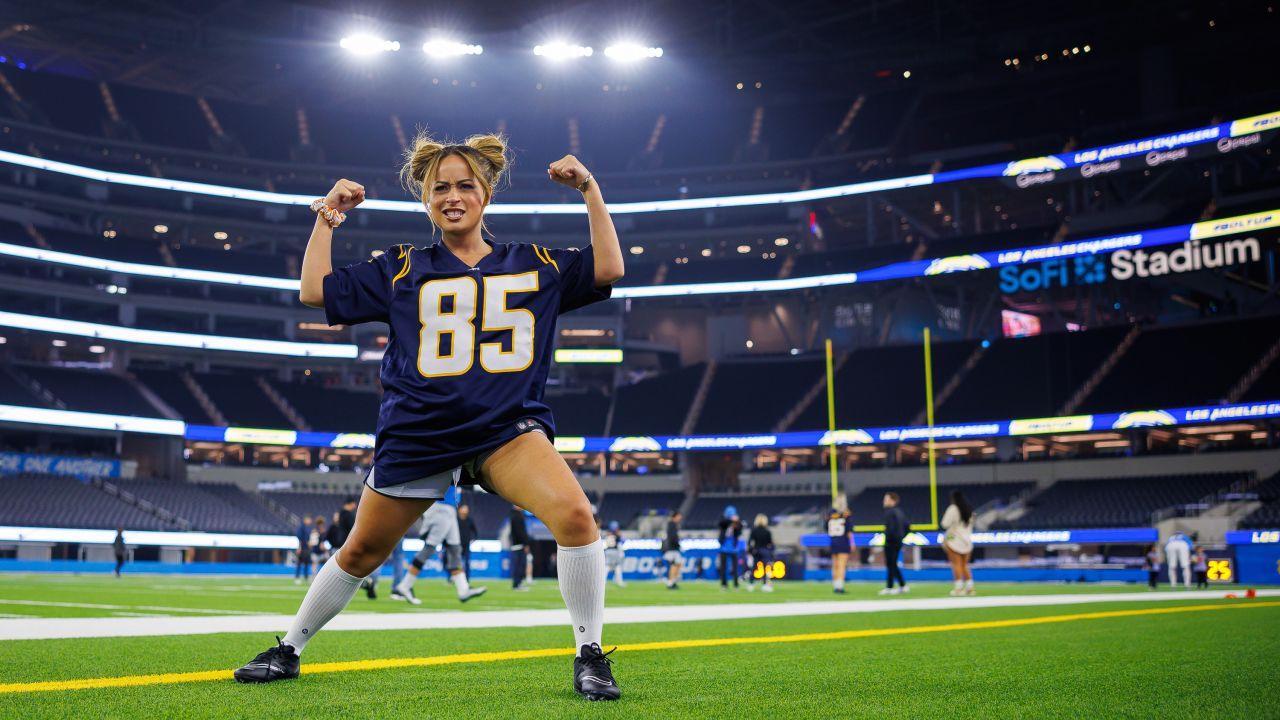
(1267, 516)
(751, 396)
(578, 413)
(1184, 365)
(868, 506)
(90, 390)
(332, 409)
(658, 405)
(625, 507)
(489, 511)
(16, 392)
(212, 508)
(55, 501)
(708, 509)
(1000, 386)
(884, 386)
(239, 398)
(307, 503)
(1115, 502)
(169, 387)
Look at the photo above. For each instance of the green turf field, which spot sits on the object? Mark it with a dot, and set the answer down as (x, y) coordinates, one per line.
(133, 595)
(1155, 659)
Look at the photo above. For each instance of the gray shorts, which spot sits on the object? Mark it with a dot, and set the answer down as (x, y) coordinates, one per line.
(440, 525)
(435, 486)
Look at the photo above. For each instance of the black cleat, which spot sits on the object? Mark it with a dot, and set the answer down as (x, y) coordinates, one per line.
(276, 663)
(592, 676)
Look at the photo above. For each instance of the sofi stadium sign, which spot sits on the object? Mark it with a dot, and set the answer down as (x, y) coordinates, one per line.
(1191, 256)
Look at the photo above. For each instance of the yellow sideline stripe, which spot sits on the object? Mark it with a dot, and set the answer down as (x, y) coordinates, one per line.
(488, 657)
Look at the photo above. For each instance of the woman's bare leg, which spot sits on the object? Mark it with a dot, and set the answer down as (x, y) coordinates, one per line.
(381, 522)
(530, 473)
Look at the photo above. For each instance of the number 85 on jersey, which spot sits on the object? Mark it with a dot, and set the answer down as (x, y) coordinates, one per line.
(447, 310)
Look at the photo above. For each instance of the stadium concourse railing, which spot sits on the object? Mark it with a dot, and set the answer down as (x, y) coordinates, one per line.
(1143, 153)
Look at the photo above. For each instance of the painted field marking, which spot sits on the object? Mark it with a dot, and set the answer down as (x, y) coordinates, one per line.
(98, 606)
(489, 657)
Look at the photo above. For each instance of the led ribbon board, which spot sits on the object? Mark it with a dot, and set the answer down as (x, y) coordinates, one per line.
(165, 338)
(90, 421)
(1172, 147)
(1205, 230)
(1253, 537)
(588, 355)
(1136, 536)
(813, 438)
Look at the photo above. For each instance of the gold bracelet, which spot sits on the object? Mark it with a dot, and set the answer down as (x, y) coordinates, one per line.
(582, 187)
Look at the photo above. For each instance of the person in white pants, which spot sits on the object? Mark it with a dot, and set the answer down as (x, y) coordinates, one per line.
(1177, 554)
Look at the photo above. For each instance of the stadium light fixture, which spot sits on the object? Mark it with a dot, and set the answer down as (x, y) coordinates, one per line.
(631, 52)
(367, 45)
(441, 48)
(562, 51)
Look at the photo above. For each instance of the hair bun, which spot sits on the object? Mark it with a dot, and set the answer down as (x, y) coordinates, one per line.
(418, 157)
(493, 148)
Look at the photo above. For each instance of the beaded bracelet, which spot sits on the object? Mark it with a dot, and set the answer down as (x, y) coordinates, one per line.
(330, 215)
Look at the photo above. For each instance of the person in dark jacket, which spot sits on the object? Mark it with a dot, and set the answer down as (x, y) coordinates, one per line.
(343, 522)
(760, 548)
(118, 546)
(519, 541)
(671, 551)
(467, 531)
(302, 568)
(730, 531)
(896, 528)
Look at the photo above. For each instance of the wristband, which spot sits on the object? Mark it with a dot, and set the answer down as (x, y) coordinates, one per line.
(582, 187)
(330, 215)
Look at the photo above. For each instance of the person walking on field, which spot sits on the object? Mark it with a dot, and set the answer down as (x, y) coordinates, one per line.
(118, 546)
(896, 528)
(957, 522)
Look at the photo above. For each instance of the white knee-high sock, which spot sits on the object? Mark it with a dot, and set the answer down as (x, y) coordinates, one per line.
(582, 575)
(330, 592)
(460, 584)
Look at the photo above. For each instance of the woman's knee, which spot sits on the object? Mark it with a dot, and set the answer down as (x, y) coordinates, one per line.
(575, 525)
(360, 557)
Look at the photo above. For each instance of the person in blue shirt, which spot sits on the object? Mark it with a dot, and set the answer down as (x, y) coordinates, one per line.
(471, 329)
(730, 531)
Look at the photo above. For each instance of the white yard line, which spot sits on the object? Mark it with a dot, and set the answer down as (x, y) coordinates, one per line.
(52, 628)
(97, 606)
(122, 613)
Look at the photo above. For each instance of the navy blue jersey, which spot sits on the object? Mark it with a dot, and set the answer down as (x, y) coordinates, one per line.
(469, 347)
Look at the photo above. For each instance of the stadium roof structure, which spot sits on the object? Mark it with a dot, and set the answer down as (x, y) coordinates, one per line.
(258, 52)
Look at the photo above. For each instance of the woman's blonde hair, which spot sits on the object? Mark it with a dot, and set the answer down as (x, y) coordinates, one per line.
(761, 520)
(486, 155)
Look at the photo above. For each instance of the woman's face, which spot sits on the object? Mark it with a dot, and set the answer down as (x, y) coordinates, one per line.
(456, 198)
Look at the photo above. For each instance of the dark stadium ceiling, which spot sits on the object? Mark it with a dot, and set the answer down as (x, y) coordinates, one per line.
(263, 51)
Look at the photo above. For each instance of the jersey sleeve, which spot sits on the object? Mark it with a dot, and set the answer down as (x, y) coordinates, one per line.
(362, 292)
(577, 270)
